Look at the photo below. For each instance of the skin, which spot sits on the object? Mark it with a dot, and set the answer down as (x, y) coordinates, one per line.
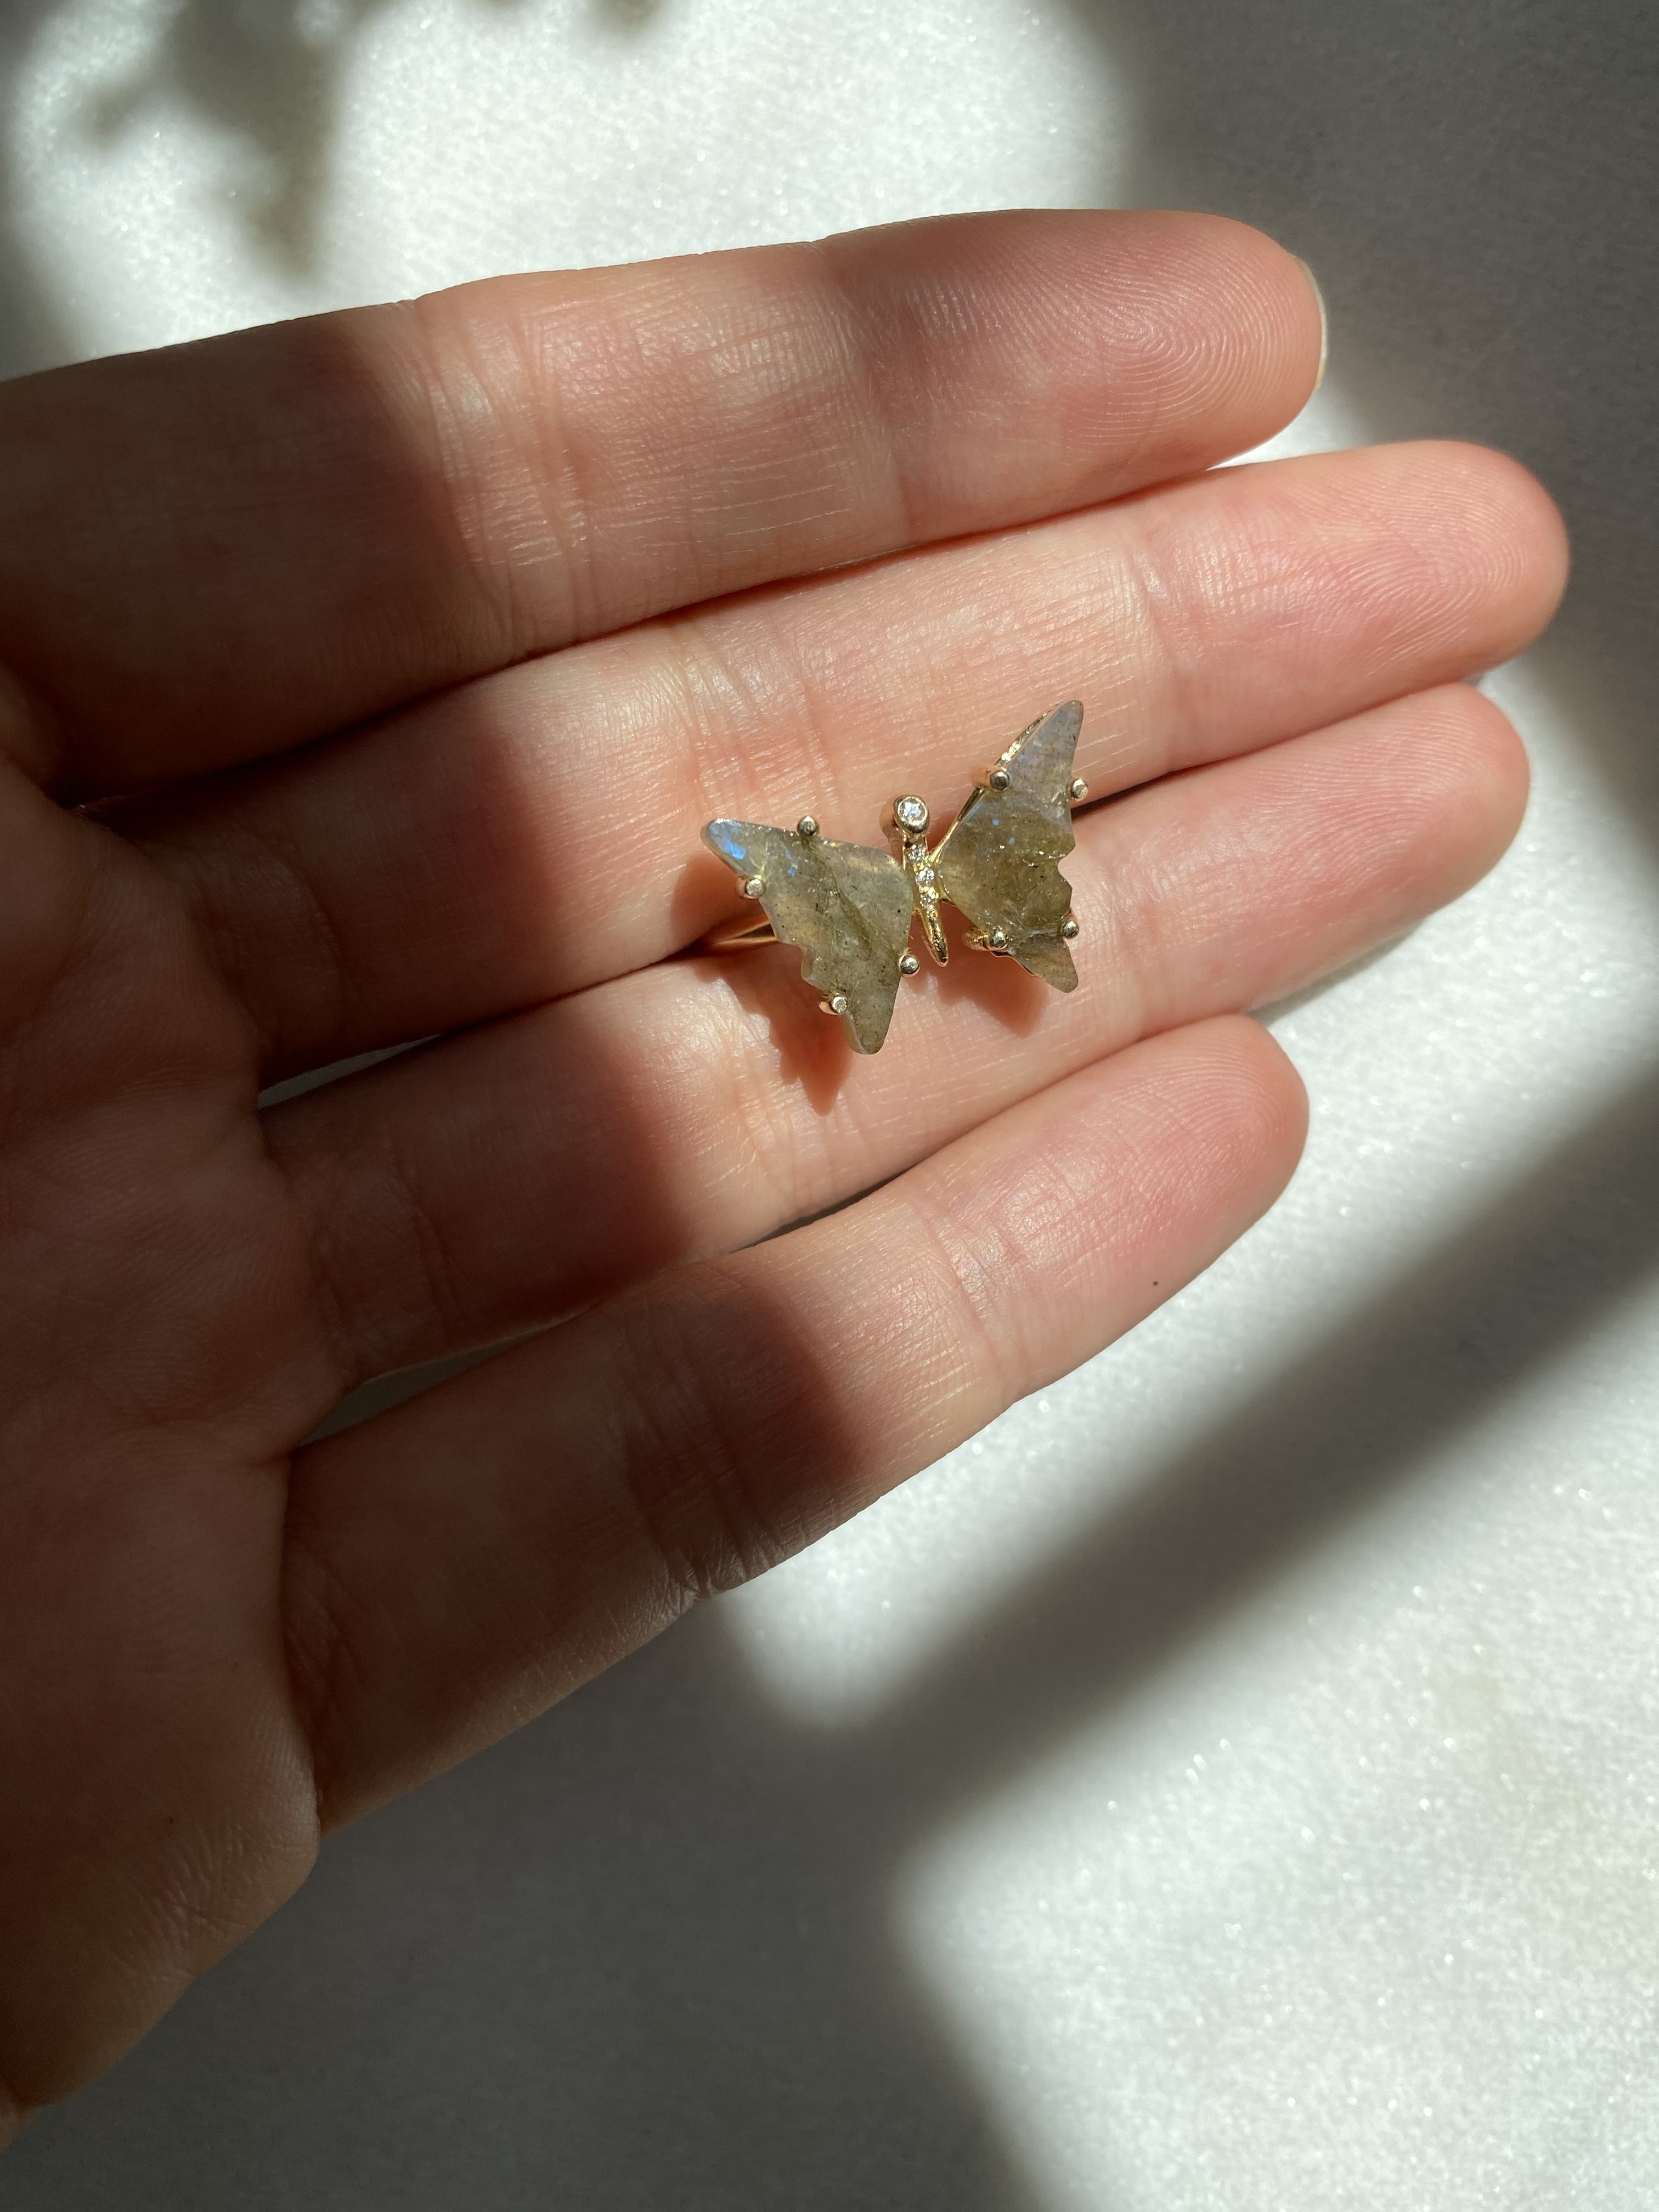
(370, 678)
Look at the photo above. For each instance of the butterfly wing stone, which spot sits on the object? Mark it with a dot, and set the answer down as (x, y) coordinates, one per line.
(999, 862)
(848, 908)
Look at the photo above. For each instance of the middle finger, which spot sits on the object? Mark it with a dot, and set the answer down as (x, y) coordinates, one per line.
(535, 832)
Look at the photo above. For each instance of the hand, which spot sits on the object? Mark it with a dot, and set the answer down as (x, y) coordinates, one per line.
(373, 677)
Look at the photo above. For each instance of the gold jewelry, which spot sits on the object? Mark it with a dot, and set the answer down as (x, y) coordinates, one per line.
(849, 908)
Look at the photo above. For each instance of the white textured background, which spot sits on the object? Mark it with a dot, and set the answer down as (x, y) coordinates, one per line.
(1230, 1785)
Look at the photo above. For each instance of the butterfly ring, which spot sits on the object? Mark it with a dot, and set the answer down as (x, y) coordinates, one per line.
(849, 908)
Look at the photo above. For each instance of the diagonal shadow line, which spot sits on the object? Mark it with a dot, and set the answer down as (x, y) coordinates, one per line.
(1357, 1416)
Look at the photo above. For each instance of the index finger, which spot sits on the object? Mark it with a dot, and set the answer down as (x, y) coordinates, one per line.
(218, 551)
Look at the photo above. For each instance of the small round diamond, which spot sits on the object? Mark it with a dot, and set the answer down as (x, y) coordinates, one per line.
(910, 813)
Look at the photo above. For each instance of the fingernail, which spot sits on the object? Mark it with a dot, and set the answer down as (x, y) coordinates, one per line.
(1324, 320)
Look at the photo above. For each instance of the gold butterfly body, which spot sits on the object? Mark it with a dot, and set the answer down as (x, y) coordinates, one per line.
(849, 908)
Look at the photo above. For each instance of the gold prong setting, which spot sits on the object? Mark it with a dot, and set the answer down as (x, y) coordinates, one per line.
(852, 911)
(910, 818)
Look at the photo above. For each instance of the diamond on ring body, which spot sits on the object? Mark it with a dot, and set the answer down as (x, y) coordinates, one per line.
(910, 813)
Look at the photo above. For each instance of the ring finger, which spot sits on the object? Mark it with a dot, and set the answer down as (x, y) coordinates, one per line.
(502, 1178)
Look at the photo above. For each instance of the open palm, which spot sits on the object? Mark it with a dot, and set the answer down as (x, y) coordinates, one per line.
(370, 679)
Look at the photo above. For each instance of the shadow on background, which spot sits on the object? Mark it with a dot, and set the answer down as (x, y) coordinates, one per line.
(269, 77)
(266, 75)
(1477, 187)
(1359, 1411)
(638, 1956)
(629, 1960)
(33, 333)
